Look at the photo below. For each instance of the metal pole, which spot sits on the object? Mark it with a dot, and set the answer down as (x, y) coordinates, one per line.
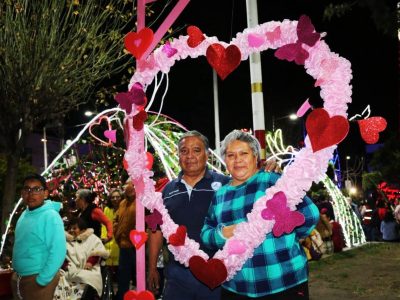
(45, 148)
(216, 113)
(256, 81)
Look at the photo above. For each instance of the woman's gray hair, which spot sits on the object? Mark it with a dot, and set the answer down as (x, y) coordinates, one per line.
(238, 135)
(86, 195)
(195, 133)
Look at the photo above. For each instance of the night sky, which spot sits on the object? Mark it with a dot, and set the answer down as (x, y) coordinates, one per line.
(286, 86)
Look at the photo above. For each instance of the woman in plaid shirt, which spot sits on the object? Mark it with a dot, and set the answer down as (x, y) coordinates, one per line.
(278, 268)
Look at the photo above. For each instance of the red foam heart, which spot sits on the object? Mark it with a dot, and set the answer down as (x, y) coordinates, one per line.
(125, 164)
(138, 238)
(137, 43)
(178, 238)
(212, 272)
(138, 120)
(325, 131)
(150, 160)
(370, 128)
(143, 295)
(224, 61)
(196, 36)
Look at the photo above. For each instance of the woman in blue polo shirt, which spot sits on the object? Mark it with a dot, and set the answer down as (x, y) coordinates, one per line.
(278, 268)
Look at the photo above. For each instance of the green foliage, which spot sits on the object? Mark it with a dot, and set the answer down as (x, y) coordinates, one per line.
(24, 168)
(53, 54)
(371, 180)
(386, 160)
(383, 12)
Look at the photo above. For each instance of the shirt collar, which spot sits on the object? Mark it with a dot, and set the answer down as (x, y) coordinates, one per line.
(207, 174)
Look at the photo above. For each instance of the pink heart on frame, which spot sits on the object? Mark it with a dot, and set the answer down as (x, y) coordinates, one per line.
(168, 50)
(255, 40)
(111, 135)
(236, 247)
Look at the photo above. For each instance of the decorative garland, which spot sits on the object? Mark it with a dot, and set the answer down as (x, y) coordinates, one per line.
(295, 41)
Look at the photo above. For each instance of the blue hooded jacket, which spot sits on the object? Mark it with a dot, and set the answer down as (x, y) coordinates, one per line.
(40, 245)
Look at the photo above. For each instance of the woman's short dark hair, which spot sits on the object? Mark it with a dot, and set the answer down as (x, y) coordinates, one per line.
(120, 192)
(81, 223)
(35, 176)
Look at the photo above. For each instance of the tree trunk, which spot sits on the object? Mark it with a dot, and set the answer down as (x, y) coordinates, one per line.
(10, 183)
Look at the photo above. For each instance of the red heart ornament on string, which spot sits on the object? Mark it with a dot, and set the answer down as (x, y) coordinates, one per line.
(138, 238)
(212, 272)
(224, 61)
(178, 238)
(370, 128)
(325, 131)
(137, 43)
(143, 295)
(98, 122)
(138, 120)
(196, 36)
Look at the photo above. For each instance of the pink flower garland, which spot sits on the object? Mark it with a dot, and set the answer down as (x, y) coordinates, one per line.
(332, 74)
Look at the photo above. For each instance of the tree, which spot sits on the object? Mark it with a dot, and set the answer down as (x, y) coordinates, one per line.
(383, 12)
(53, 56)
(386, 160)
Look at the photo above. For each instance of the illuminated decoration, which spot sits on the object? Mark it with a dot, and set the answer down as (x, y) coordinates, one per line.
(282, 154)
(344, 214)
(391, 192)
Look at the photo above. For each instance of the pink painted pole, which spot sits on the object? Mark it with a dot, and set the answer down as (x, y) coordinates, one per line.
(169, 20)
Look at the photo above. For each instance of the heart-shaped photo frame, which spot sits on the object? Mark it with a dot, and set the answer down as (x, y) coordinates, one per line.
(309, 166)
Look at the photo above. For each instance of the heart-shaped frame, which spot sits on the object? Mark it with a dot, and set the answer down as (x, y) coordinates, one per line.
(308, 166)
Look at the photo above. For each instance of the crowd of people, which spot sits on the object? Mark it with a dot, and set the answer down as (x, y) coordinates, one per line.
(53, 259)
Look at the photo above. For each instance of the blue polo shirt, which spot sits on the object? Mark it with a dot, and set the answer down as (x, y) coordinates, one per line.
(191, 210)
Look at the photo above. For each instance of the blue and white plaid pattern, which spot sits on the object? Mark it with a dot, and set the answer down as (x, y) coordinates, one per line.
(278, 263)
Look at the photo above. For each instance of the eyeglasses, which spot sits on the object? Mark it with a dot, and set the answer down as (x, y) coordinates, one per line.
(33, 190)
(115, 197)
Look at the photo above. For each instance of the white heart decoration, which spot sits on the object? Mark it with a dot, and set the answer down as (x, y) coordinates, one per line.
(298, 177)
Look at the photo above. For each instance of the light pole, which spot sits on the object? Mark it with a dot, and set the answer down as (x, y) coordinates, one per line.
(292, 117)
(347, 182)
(44, 140)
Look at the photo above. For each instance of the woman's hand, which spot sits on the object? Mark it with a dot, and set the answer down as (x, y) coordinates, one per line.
(227, 231)
(272, 166)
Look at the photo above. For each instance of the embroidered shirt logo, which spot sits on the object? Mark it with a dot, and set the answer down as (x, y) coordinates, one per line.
(216, 185)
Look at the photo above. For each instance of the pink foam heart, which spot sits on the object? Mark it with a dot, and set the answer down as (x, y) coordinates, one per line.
(168, 50)
(111, 135)
(236, 247)
(255, 40)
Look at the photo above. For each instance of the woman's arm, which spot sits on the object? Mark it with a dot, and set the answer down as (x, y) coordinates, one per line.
(99, 216)
(211, 233)
(311, 214)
